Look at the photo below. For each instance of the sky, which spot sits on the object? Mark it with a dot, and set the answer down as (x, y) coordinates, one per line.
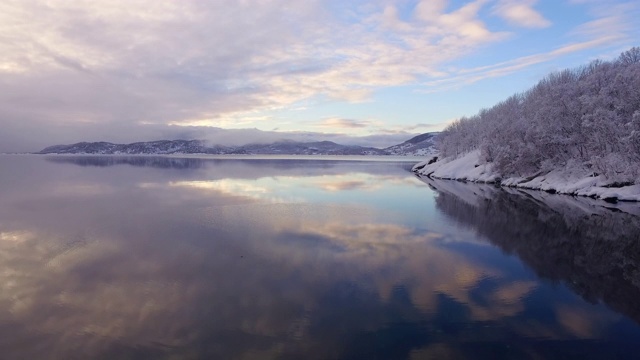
(233, 72)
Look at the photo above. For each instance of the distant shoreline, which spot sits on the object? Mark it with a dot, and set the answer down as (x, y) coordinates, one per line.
(373, 158)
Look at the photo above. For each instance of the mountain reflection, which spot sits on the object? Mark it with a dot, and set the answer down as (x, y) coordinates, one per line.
(249, 168)
(141, 161)
(173, 162)
(593, 250)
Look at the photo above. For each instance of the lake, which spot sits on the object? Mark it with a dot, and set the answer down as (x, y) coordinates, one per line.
(208, 258)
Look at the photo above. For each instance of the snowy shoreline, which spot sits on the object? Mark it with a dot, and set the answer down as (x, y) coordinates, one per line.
(561, 181)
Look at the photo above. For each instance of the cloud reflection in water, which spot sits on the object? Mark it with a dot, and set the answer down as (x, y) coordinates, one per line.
(193, 266)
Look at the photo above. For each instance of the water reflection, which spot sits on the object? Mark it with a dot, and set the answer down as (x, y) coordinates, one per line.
(229, 260)
(592, 249)
(260, 162)
(142, 161)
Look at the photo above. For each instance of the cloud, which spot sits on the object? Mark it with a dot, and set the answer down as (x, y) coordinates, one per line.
(70, 68)
(470, 76)
(427, 126)
(616, 20)
(430, 10)
(339, 123)
(521, 13)
(612, 26)
(134, 62)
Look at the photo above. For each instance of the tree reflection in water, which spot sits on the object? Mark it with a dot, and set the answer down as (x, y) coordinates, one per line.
(592, 249)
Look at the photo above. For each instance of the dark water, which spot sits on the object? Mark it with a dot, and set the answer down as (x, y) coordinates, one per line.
(166, 258)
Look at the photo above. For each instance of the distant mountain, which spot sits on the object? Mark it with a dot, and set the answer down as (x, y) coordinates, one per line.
(163, 147)
(419, 145)
(150, 147)
(309, 148)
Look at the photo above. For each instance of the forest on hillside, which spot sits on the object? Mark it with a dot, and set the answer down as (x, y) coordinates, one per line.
(585, 119)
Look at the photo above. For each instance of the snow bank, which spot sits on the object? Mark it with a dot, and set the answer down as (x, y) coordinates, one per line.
(562, 181)
(463, 168)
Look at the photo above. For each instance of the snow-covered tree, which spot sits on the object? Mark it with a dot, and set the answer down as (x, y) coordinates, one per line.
(587, 117)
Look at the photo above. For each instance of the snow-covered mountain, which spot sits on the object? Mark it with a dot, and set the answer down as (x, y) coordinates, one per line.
(199, 147)
(151, 147)
(308, 148)
(421, 145)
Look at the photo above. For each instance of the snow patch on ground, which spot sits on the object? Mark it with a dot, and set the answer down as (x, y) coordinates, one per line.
(563, 181)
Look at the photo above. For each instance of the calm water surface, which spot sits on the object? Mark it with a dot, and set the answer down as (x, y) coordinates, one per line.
(169, 258)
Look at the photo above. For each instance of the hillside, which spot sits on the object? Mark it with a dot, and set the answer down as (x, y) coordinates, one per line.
(575, 132)
(419, 145)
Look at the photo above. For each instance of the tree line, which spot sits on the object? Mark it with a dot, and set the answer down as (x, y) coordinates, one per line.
(586, 118)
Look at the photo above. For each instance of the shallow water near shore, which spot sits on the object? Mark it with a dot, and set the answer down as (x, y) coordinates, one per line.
(168, 257)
